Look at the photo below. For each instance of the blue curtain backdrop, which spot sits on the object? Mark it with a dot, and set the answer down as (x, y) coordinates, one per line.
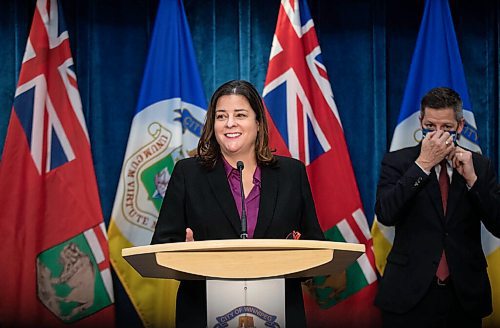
(367, 47)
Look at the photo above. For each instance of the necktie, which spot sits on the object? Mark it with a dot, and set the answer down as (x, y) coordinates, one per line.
(444, 185)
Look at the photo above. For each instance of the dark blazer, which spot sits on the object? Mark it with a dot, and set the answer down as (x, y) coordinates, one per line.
(201, 199)
(410, 200)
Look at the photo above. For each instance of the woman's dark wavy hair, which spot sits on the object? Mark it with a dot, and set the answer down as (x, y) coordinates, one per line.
(208, 148)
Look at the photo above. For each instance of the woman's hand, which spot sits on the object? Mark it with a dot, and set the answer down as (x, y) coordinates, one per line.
(189, 235)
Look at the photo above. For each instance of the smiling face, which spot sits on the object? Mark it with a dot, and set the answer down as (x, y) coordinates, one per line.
(235, 126)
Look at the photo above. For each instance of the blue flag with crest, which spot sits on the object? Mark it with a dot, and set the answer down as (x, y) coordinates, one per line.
(436, 62)
(166, 127)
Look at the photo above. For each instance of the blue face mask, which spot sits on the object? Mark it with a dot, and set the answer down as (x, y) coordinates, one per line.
(453, 134)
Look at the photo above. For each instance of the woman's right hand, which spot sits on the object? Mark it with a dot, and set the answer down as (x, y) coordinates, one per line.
(189, 235)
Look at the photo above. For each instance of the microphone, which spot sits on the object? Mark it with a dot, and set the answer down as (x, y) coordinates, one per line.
(244, 234)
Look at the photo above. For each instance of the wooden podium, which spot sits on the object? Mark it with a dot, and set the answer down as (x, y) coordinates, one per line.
(246, 260)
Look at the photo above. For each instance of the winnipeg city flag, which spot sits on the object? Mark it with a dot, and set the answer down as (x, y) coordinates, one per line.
(436, 62)
(54, 255)
(305, 124)
(166, 127)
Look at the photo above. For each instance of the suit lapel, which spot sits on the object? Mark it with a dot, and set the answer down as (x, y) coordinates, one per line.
(220, 186)
(457, 188)
(268, 197)
(432, 187)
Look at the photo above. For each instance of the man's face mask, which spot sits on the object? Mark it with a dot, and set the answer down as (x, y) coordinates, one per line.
(453, 134)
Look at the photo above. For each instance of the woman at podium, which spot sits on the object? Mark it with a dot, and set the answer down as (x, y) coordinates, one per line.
(235, 173)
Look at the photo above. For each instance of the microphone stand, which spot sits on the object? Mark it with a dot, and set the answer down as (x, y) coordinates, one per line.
(244, 234)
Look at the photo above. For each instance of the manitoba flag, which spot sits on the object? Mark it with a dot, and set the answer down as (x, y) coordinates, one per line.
(305, 124)
(54, 254)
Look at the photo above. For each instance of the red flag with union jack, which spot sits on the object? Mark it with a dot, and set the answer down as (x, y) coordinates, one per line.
(305, 124)
(54, 254)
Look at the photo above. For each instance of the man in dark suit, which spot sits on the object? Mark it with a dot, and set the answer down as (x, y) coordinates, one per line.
(436, 195)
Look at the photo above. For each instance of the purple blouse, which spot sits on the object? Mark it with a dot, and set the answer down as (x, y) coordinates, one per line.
(252, 201)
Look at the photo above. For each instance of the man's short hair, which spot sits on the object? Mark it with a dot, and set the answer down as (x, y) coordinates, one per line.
(440, 98)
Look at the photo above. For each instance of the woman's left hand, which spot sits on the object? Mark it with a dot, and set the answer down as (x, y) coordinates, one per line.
(189, 235)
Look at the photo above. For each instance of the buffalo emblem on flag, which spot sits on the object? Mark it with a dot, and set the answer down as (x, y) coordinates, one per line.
(69, 280)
